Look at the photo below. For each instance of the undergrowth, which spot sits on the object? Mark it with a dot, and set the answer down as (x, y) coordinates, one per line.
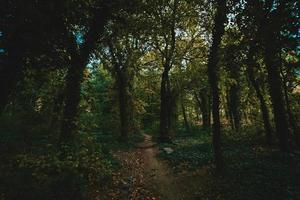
(252, 170)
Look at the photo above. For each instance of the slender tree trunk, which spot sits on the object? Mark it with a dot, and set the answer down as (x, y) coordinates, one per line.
(165, 108)
(213, 60)
(234, 103)
(228, 111)
(263, 105)
(186, 123)
(233, 98)
(204, 105)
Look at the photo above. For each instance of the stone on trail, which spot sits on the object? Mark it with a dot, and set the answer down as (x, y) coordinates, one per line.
(168, 150)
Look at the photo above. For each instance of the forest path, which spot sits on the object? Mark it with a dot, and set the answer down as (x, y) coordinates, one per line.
(162, 182)
(144, 176)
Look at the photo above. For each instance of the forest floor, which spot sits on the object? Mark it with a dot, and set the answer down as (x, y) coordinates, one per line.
(252, 171)
(140, 169)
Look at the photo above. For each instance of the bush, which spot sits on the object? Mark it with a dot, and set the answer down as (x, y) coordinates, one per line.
(75, 172)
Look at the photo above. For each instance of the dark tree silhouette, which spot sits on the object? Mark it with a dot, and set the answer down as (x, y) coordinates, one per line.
(218, 31)
(256, 85)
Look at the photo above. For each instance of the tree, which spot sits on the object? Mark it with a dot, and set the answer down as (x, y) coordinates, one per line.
(256, 85)
(165, 88)
(233, 94)
(218, 31)
(271, 35)
(79, 58)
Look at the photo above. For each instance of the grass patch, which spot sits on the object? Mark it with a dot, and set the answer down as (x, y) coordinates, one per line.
(191, 150)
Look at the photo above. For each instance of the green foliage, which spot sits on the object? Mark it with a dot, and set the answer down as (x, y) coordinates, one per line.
(191, 151)
(97, 108)
(74, 172)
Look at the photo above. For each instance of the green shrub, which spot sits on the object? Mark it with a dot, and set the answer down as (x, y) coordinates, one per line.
(71, 173)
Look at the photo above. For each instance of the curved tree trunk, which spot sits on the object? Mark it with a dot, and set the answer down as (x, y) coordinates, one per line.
(79, 60)
(263, 105)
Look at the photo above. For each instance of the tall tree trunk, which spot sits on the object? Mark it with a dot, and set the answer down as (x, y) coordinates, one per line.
(213, 60)
(166, 106)
(275, 88)
(256, 86)
(233, 98)
(228, 111)
(234, 107)
(204, 105)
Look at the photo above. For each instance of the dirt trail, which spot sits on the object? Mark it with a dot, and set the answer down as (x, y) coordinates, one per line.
(162, 182)
(144, 176)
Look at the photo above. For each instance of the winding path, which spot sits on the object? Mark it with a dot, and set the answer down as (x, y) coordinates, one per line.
(146, 177)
